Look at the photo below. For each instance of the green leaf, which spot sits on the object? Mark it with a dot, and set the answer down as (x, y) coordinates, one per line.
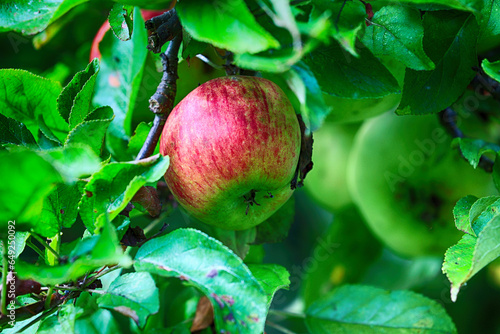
(340, 74)
(190, 46)
(110, 190)
(20, 240)
(26, 179)
(45, 131)
(138, 139)
(336, 259)
(135, 295)
(26, 97)
(72, 161)
(15, 133)
(28, 17)
(489, 18)
(120, 75)
(450, 42)
(99, 321)
(406, 274)
(473, 149)
(62, 322)
(282, 16)
(271, 278)
(302, 82)
(276, 227)
(274, 61)
(74, 103)
(121, 22)
(20, 324)
(90, 253)
(472, 254)
(496, 172)
(281, 60)
(147, 85)
(468, 5)
(59, 209)
(237, 241)
(482, 211)
(204, 20)
(461, 212)
(93, 130)
(349, 19)
(239, 301)
(364, 309)
(491, 69)
(121, 224)
(397, 31)
(46, 143)
(24, 192)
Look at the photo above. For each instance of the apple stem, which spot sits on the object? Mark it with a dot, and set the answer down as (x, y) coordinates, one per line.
(231, 68)
(162, 102)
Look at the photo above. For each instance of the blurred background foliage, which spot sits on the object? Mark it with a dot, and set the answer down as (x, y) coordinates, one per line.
(328, 243)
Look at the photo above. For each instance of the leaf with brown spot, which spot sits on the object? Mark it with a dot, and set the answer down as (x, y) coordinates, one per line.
(134, 295)
(128, 312)
(147, 199)
(204, 316)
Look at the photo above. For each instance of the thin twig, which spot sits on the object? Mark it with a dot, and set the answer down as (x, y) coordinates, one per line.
(102, 273)
(49, 297)
(47, 246)
(162, 102)
(229, 66)
(161, 29)
(146, 161)
(448, 119)
(279, 327)
(286, 314)
(484, 81)
(337, 19)
(34, 247)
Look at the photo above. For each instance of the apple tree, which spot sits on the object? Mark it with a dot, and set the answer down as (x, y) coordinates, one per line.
(242, 166)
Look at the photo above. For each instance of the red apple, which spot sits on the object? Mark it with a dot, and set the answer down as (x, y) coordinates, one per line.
(234, 145)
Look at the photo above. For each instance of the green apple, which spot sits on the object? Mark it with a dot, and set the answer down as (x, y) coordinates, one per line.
(326, 182)
(234, 145)
(406, 179)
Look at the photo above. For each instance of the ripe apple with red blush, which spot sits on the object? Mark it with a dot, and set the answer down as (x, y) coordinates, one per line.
(234, 145)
